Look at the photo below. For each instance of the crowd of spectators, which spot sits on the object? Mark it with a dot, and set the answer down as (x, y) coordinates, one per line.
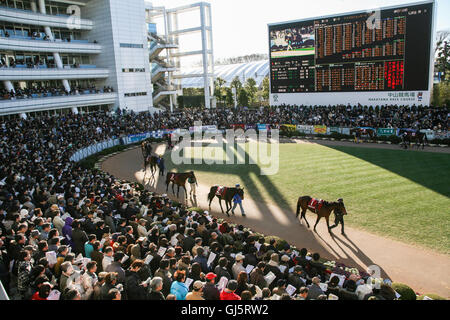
(87, 235)
(40, 91)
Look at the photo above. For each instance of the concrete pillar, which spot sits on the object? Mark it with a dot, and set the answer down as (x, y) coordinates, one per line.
(42, 7)
(205, 57)
(8, 86)
(48, 32)
(34, 6)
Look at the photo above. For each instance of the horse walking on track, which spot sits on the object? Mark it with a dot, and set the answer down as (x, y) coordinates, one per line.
(360, 132)
(322, 208)
(151, 161)
(178, 179)
(412, 136)
(226, 194)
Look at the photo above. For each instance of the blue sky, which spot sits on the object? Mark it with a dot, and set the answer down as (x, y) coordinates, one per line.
(240, 26)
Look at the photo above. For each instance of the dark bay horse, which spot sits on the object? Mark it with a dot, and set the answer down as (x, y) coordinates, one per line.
(151, 161)
(323, 212)
(410, 136)
(178, 179)
(360, 132)
(227, 195)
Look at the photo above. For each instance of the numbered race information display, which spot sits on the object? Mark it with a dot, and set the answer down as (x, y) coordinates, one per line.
(386, 50)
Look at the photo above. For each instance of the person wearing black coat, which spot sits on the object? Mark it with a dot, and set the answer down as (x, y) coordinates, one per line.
(133, 287)
(79, 238)
(250, 258)
(349, 292)
(210, 291)
(189, 241)
(294, 278)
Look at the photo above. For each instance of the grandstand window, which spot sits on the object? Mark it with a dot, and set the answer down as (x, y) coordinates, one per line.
(135, 94)
(131, 45)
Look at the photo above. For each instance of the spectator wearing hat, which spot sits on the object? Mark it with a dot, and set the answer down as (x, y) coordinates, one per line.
(210, 291)
(197, 291)
(238, 266)
(156, 286)
(178, 287)
(67, 231)
(314, 290)
(229, 292)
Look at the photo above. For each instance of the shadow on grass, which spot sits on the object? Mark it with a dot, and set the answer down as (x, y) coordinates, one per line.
(431, 170)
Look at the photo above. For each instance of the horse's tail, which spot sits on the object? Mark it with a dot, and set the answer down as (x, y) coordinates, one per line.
(211, 193)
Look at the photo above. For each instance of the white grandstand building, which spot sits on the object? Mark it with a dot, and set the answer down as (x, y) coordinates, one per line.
(77, 55)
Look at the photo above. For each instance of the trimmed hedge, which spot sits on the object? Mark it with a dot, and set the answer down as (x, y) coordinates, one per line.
(404, 291)
(432, 296)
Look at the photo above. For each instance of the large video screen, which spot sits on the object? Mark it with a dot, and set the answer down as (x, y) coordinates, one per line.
(388, 50)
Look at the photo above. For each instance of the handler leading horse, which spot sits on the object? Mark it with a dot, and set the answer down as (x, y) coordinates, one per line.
(226, 194)
(322, 208)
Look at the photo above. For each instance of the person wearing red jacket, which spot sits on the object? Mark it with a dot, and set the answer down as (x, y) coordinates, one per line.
(228, 292)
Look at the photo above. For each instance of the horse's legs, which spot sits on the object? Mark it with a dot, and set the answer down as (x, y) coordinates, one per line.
(210, 201)
(304, 217)
(318, 219)
(220, 202)
(327, 218)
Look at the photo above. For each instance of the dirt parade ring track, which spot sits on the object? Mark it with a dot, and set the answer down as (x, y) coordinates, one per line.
(424, 270)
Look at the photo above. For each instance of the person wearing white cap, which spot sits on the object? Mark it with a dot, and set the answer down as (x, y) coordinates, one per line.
(238, 265)
(197, 291)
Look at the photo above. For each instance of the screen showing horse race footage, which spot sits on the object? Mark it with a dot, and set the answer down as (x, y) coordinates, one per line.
(386, 50)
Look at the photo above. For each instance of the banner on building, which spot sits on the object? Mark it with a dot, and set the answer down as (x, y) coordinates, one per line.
(305, 129)
(385, 132)
(320, 129)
